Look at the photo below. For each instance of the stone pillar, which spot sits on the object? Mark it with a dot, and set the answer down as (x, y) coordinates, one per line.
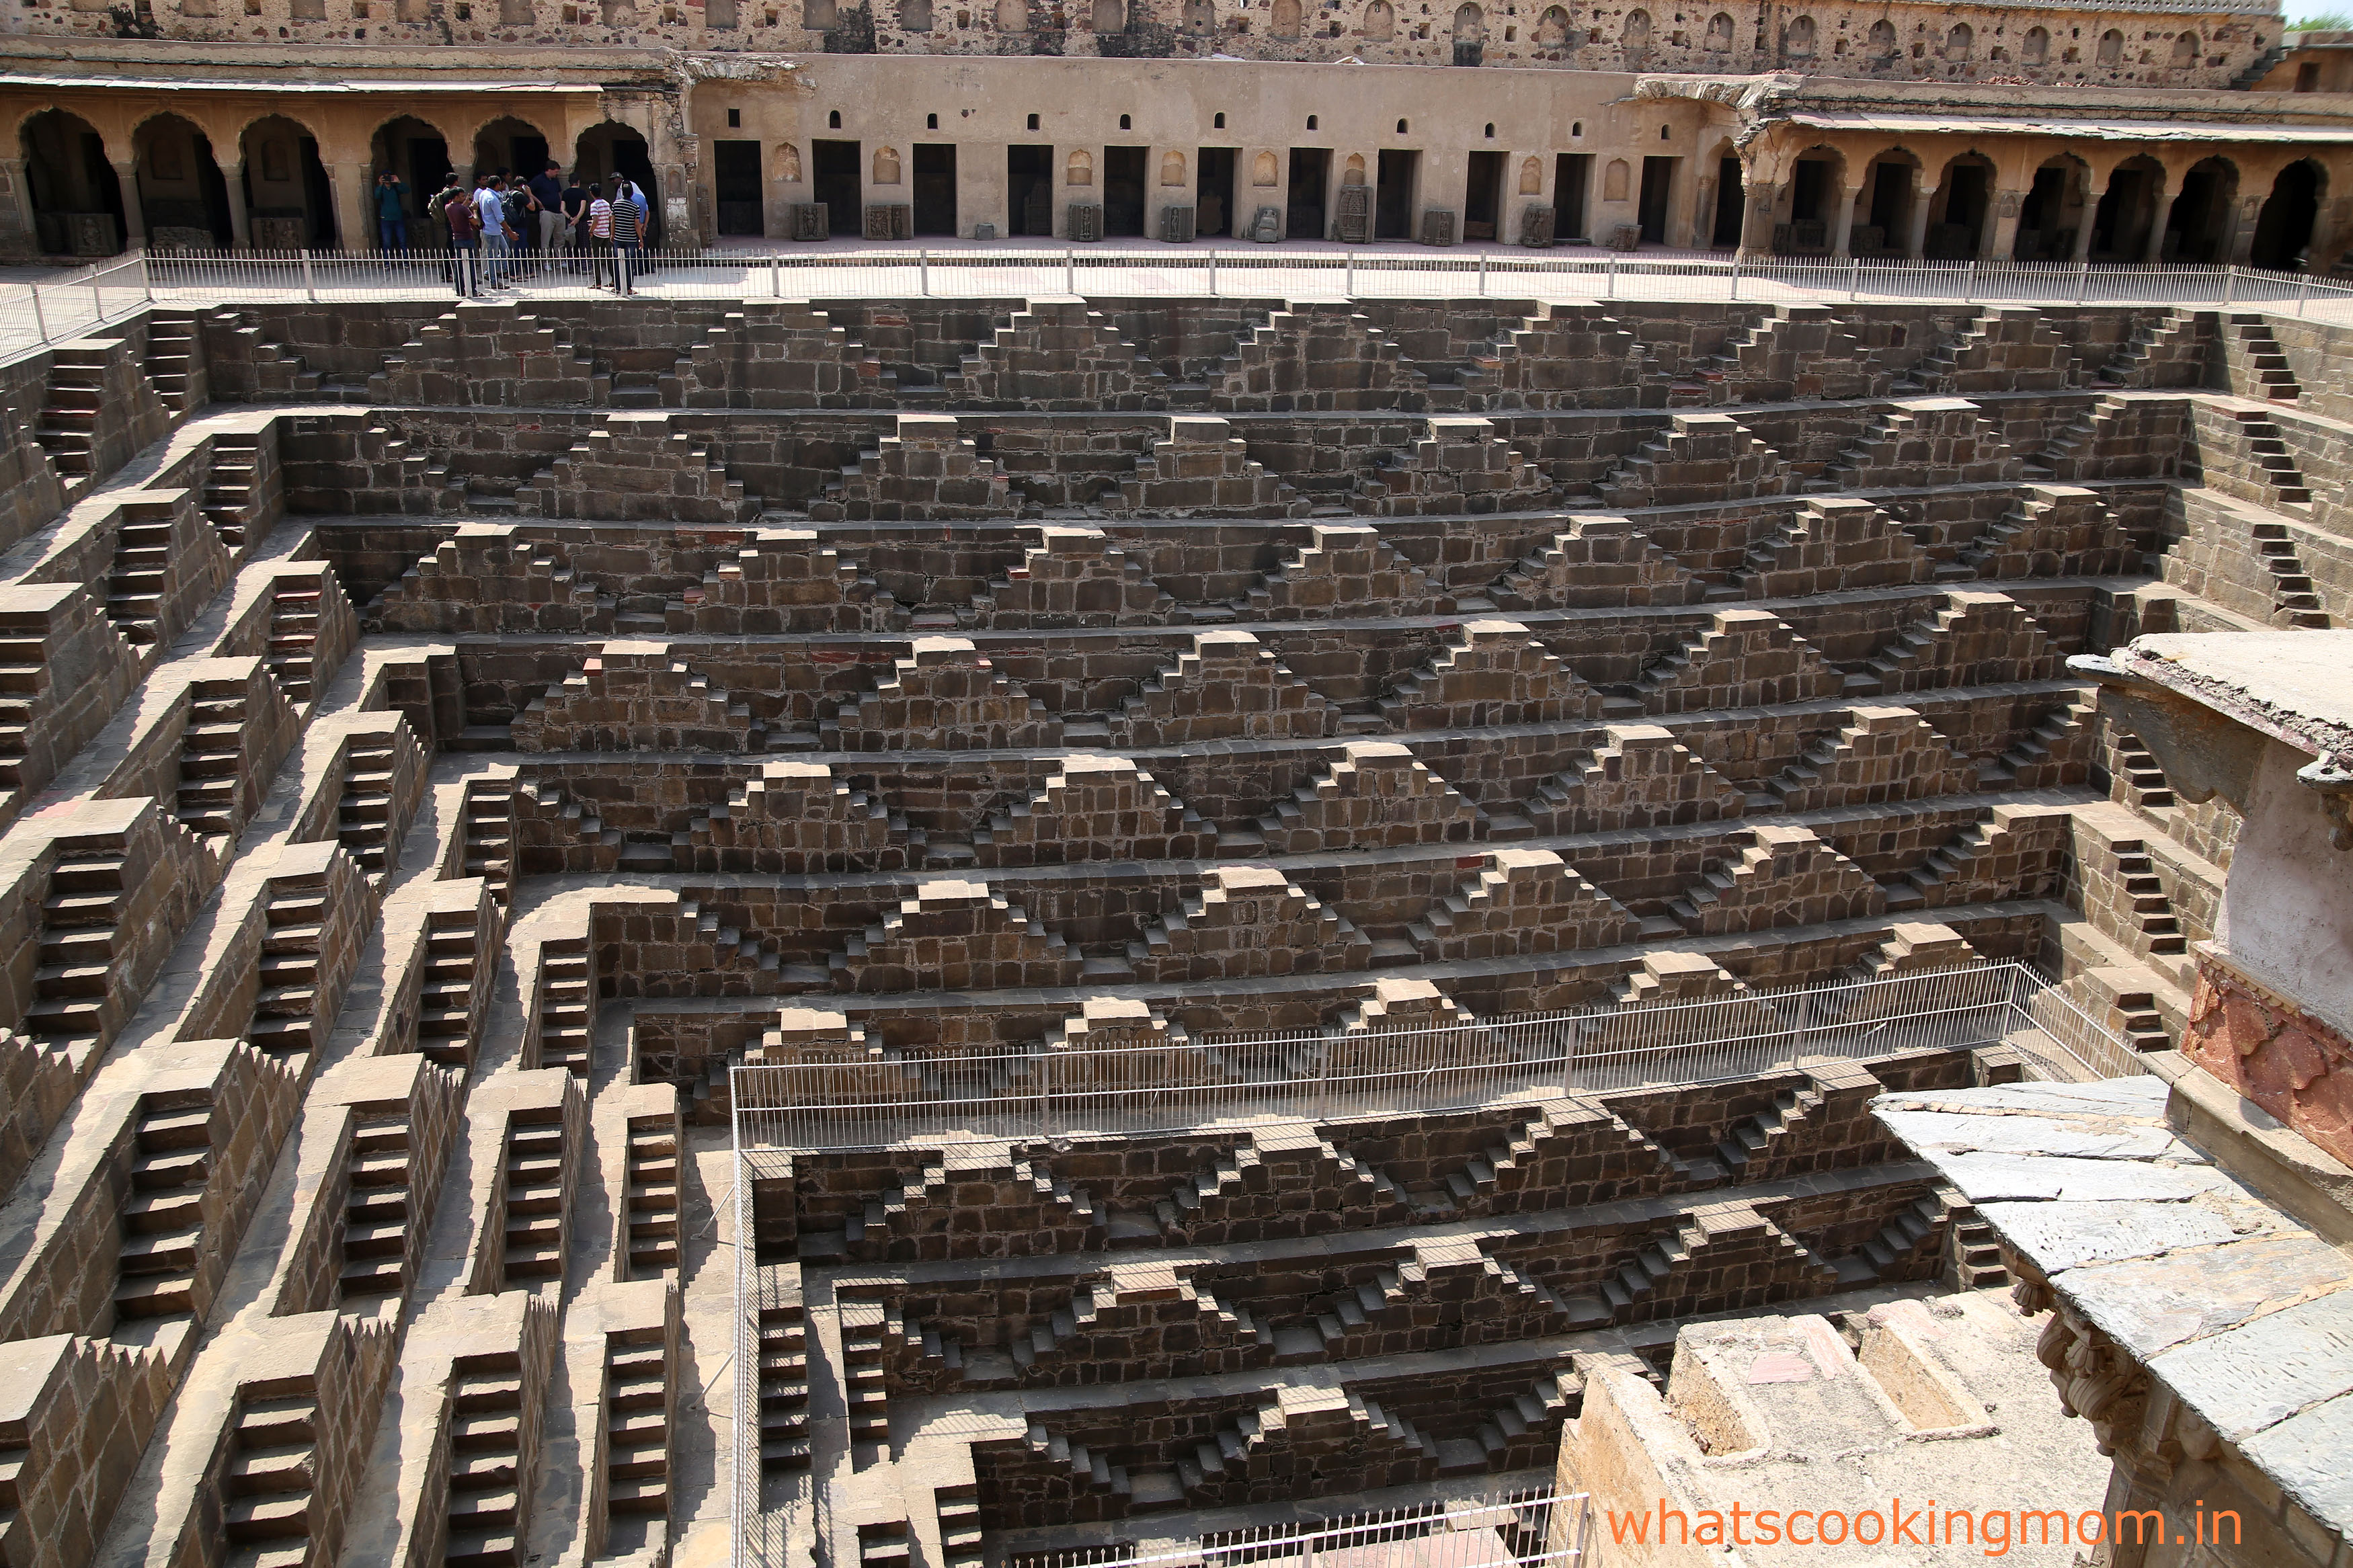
(2007, 207)
(20, 198)
(1756, 220)
(2159, 207)
(135, 213)
(1916, 238)
(354, 190)
(2084, 229)
(1843, 227)
(2245, 213)
(240, 226)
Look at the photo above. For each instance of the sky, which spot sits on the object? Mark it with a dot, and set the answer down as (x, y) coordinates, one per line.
(2293, 9)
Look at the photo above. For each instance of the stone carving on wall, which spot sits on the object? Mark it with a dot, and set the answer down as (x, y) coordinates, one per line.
(1172, 168)
(1081, 169)
(886, 166)
(1531, 178)
(787, 163)
(1264, 170)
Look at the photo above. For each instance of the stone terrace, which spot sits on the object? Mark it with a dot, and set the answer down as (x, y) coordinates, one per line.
(418, 787)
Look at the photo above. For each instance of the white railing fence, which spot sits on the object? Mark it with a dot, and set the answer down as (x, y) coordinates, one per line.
(884, 1099)
(1516, 1529)
(51, 310)
(57, 310)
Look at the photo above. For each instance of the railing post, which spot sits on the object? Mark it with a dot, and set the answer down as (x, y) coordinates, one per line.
(146, 279)
(2303, 292)
(1483, 273)
(1805, 1023)
(1609, 286)
(310, 284)
(2083, 280)
(775, 278)
(2229, 282)
(40, 321)
(1735, 275)
(1351, 289)
(1213, 273)
(1970, 283)
(924, 271)
(1853, 279)
(1070, 271)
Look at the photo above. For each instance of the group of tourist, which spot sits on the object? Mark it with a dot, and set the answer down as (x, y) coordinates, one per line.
(508, 228)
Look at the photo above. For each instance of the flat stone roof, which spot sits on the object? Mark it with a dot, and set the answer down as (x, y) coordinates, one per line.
(2244, 1314)
(2296, 687)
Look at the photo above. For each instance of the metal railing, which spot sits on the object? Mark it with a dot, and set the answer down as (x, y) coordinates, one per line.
(884, 1099)
(57, 310)
(1015, 271)
(1523, 1528)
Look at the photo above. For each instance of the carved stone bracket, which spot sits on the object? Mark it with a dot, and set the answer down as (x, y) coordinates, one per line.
(2333, 780)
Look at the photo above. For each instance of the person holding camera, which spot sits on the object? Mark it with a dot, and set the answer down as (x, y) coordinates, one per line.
(392, 212)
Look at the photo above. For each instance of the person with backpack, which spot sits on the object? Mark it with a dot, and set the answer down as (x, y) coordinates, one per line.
(458, 211)
(522, 227)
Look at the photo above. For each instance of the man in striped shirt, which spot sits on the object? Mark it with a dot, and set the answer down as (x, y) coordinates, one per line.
(600, 236)
(628, 232)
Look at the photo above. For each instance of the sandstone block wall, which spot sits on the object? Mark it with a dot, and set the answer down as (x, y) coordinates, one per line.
(930, 700)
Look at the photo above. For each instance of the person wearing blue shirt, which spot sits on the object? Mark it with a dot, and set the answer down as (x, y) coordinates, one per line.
(392, 212)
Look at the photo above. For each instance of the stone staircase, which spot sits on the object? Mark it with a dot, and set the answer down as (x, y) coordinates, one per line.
(1087, 1470)
(487, 830)
(267, 1480)
(363, 814)
(164, 1220)
(377, 1209)
(71, 406)
(784, 1390)
(652, 1181)
(2294, 601)
(485, 1434)
(212, 757)
(172, 349)
(2272, 468)
(75, 958)
(534, 1219)
(140, 573)
(2135, 775)
(2258, 368)
(564, 1005)
(227, 500)
(294, 607)
(445, 1003)
(636, 1424)
(287, 974)
(1753, 1136)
